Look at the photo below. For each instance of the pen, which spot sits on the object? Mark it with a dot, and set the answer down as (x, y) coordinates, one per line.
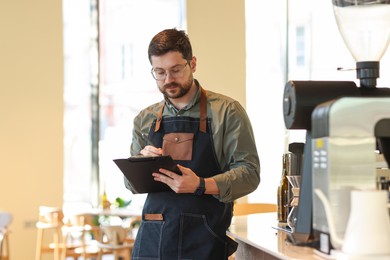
(146, 137)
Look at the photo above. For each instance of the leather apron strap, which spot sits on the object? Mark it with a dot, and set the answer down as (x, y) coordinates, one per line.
(159, 118)
(203, 110)
(203, 113)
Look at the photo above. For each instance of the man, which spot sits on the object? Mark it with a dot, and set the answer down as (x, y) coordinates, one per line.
(210, 137)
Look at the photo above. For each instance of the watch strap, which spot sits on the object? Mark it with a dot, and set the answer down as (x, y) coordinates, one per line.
(201, 188)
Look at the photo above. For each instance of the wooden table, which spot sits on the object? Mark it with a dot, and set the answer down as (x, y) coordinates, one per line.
(120, 212)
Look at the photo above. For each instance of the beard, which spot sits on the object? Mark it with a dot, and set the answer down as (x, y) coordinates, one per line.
(180, 90)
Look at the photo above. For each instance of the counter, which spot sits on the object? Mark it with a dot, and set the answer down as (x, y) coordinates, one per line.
(258, 240)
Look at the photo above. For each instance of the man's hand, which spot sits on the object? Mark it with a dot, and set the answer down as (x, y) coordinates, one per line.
(151, 151)
(185, 183)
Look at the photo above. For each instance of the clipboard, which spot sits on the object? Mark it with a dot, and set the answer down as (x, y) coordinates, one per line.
(138, 171)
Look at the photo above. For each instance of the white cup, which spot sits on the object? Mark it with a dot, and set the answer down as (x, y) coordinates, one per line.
(368, 229)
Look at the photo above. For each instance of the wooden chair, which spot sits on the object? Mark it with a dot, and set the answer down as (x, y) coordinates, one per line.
(115, 240)
(50, 221)
(4, 244)
(79, 237)
(241, 209)
(63, 237)
(5, 221)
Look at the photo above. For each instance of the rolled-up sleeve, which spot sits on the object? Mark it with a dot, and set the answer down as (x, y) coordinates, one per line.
(235, 144)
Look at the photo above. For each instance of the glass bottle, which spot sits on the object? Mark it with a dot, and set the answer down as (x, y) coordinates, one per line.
(105, 203)
(283, 192)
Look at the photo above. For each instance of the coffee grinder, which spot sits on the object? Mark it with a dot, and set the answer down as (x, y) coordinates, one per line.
(345, 124)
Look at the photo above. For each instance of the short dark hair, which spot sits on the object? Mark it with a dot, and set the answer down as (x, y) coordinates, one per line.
(170, 40)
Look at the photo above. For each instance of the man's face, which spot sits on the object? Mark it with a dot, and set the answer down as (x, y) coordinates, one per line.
(173, 74)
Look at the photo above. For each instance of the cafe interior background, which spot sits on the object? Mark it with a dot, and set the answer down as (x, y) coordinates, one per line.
(69, 93)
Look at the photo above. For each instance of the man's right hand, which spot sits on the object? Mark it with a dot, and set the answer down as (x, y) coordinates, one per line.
(151, 151)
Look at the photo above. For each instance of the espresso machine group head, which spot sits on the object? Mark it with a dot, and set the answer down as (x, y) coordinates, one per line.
(344, 123)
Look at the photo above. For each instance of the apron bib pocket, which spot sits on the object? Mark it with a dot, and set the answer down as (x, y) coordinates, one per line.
(178, 145)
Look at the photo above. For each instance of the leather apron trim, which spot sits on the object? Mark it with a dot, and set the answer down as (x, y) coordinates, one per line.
(155, 217)
(203, 113)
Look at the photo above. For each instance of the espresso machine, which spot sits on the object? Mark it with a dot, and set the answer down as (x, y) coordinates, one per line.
(345, 124)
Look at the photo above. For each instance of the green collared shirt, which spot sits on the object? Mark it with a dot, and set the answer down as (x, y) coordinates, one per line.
(232, 136)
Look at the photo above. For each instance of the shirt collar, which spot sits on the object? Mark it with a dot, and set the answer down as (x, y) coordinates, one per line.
(193, 102)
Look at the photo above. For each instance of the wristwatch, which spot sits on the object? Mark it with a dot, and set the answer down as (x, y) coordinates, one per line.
(201, 188)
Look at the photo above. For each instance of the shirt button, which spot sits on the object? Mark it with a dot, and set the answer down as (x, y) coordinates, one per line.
(176, 139)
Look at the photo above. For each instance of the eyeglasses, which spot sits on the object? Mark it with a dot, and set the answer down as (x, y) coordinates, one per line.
(175, 72)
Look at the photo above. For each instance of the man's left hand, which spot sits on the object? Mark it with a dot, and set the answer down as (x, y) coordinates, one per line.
(185, 183)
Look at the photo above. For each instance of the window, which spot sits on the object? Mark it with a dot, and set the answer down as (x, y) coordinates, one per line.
(107, 82)
(300, 46)
(289, 40)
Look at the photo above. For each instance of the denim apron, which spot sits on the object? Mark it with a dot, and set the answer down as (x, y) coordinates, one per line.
(190, 226)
